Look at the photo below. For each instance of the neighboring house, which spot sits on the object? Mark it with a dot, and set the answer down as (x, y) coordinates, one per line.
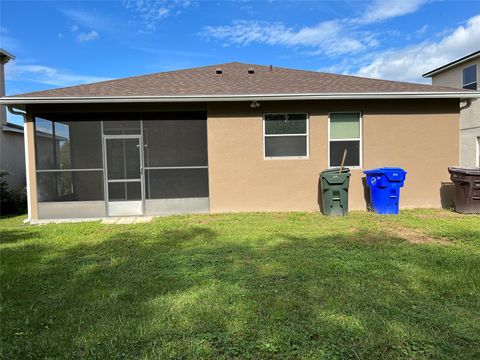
(12, 153)
(231, 137)
(464, 73)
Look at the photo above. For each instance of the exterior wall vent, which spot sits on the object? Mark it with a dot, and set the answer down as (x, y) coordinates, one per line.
(219, 71)
(251, 70)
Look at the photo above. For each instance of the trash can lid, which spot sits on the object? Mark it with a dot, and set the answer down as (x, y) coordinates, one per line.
(336, 170)
(333, 178)
(464, 170)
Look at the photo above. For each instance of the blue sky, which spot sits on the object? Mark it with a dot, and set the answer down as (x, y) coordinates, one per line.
(63, 43)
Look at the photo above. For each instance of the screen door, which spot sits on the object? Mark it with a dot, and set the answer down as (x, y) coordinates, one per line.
(124, 175)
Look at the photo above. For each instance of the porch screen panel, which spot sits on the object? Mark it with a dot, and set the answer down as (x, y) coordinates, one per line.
(54, 186)
(123, 160)
(175, 143)
(124, 191)
(176, 183)
(121, 123)
(175, 155)
(69, 157)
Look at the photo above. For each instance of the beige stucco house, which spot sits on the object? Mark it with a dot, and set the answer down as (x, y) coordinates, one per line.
(12, 155)
(231, 137)
(464, 73)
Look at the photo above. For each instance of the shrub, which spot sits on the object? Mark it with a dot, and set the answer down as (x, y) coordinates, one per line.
(12, 202)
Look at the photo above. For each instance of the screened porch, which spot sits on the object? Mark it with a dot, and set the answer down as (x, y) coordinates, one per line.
(121, 164)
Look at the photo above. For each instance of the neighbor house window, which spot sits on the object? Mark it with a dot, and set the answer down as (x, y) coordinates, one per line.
(345, 135)
(286, 135)
(470, 77)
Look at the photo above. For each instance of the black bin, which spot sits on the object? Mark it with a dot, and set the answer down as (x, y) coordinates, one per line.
(466, 189)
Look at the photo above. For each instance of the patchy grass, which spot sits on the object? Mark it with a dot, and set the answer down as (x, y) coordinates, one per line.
(257, 285)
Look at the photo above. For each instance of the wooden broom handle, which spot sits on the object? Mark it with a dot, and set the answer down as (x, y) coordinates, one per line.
(343, 160)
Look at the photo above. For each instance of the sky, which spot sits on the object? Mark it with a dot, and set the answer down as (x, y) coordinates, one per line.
(64, 43)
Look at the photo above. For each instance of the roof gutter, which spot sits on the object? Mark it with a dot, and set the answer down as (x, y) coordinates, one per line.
(217, 98)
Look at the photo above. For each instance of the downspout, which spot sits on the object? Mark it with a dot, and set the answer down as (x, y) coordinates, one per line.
(468, 103)
(27, 162)
(16, 112)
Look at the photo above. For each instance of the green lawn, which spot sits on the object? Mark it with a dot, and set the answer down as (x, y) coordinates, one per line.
(280, 285)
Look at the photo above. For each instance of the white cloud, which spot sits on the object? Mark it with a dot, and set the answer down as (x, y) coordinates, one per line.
(335, 69)
(181, 53)
(149, 13)
(408, 64)
(422, 30)
(46, 75)
(7, 42)
(90, 20)
(330, 37)
(381, 10)
(92, 35)
(334, 37)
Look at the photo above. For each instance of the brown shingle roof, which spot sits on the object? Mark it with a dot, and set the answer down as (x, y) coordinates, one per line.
(235, 80)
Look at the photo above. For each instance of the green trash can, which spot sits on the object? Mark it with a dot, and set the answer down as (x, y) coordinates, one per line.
(335, 191)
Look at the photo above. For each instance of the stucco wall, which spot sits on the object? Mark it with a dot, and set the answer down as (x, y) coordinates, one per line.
(12, 158)
(420, 136)
(469, 148)
(470, 116)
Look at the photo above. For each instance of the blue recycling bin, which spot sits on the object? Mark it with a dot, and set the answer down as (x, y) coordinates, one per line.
(385, 184)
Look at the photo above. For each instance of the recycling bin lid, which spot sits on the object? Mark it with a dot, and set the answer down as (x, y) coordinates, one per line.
(391, 173)
(383, 170)
(475, 171)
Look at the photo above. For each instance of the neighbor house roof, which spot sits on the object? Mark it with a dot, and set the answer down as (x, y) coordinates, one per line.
(236, 81)
(462, 60)
(5, 56)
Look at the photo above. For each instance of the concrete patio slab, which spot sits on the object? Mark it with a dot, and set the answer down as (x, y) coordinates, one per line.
(104, 220)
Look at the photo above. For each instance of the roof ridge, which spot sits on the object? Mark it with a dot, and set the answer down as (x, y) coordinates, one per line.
(363, 78)
(140, 76)
(348, 75)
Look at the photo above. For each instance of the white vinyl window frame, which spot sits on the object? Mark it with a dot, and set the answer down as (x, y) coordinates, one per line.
(307, 136)
(360, 138)
(464, 84)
